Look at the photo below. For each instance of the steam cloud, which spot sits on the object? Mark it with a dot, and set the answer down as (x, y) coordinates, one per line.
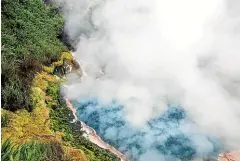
(168, 137)
(156, 53)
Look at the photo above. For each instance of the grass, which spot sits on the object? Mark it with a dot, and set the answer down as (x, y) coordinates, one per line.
(30, 31)
(35, 120)
(60, 118)
(33, 151)
(50, 121)
(4, 121)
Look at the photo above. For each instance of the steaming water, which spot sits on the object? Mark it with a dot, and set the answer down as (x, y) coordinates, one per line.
(170, 136)
(182, 50)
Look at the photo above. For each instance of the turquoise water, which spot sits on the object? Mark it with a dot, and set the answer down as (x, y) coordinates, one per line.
(172, 135)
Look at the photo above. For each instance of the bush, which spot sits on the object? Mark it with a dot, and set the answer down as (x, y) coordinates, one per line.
(30, 31)
(60, 115)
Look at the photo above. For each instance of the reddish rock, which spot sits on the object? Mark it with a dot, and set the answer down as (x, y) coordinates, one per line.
(231, 156)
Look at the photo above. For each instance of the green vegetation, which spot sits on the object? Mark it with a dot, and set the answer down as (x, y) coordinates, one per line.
(93, 152)
(61, 116)
(4, 121)
(36, 124)
(29, 39)
(50, 121)
(32, 151)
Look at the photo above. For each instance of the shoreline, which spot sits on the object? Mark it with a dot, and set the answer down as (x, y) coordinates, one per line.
(93, 136)
(90, 132)
(96, 139)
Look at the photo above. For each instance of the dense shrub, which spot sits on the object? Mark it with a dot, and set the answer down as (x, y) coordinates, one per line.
(29, 39)
(30, 32)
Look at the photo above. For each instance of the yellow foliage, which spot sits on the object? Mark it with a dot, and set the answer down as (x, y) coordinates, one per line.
(66, 55)
(58, 63)
(48, 77)
(25, 126)
(48, 69)
(75, 154)
(41, 80)
(37, 96)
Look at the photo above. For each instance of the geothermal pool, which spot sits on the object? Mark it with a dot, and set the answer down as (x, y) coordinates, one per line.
(170, 136)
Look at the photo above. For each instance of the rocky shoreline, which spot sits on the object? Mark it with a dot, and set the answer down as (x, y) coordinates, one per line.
(90, 133)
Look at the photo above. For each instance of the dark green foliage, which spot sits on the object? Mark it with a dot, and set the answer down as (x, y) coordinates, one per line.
(93, 151)
(32, 151)
(30, 32)
(60, 115)
(29, 39)
(4, 121)
(61, 118)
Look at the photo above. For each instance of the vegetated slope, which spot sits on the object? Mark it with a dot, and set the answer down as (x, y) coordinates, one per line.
(29, 38)
(49, 122)
(36, 124)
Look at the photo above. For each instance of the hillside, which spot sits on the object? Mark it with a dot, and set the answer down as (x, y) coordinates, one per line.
(36, 124)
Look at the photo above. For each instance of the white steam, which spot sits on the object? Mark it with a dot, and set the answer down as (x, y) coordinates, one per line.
(156, 52)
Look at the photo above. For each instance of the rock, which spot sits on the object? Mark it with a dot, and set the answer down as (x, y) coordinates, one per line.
(63, 69)
(76, 63)
(231, 156)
